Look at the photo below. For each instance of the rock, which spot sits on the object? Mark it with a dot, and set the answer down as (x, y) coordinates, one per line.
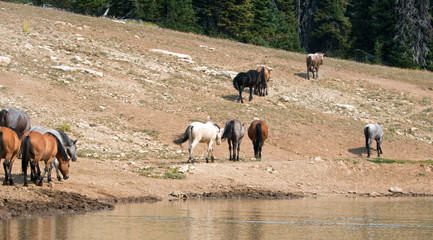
(177, 195)
(318, 159)
(4, 61)
(374, 194)
(183, 169)
(395, 190)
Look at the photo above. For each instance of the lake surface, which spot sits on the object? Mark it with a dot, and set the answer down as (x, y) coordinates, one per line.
(322, 218)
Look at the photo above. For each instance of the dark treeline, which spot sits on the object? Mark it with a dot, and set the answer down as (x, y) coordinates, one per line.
(390, 32)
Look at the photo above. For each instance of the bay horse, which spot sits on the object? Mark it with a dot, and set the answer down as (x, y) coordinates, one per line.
(200, 132)
(234, 131)
(43, 147)
(9, 149)
(314, 60)
(249, 79)
(15, 119)
(373, 132)
(69, 145)
(258, 133)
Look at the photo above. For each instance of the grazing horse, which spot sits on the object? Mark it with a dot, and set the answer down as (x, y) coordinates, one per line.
(234, 131)
(43, 148)
(69, 145)
(9, 149)
(266, 76)
(249, 79)
(200, 132)
(258, 132)
(314, 60)
(373, 131)
(15, 119)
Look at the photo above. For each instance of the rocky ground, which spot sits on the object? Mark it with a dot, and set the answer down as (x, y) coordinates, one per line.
(125, 89)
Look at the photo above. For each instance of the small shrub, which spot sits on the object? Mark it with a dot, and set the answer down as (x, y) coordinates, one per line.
(65, 127)
(173, 174)
(392, 129)
(26, 27)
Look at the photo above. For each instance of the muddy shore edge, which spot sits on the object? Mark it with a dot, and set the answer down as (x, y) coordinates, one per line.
(55, 202)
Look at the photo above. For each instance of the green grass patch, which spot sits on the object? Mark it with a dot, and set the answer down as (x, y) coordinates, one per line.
(383, 160)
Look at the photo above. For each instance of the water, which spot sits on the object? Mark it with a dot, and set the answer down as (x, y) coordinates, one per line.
(336, 218)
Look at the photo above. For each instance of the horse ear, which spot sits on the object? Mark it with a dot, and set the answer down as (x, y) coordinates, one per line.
(75, 142)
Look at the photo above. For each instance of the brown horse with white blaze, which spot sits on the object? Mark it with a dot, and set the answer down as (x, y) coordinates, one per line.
(43, 148)
(258, 133)
(9, 149)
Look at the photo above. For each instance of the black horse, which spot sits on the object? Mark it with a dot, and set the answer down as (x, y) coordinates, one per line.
(251, 79)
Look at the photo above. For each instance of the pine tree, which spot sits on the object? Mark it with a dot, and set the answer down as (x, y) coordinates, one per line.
(331, 27)
(178, 15)
(413, 32)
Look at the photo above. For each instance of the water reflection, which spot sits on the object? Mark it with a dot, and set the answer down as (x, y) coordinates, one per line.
(363, 218)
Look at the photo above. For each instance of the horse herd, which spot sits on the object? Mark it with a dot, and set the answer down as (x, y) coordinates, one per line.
(233, 131)
(35, 144)
(257, 80)
(56, 149)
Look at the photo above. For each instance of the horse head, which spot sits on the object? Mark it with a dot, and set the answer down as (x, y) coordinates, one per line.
(219, 132)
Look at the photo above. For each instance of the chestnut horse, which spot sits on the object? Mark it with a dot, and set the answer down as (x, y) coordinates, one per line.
(258, 132)
(43, 148)
(9, 149)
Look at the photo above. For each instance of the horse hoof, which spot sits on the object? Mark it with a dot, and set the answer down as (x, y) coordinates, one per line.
(5, 183)
(40, 184)
(26, 185)
(11, 183)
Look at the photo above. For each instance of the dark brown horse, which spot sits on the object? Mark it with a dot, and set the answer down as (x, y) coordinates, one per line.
(43, 148)
(258, 133)
(15, 119)
(9, 149)
(265, 77)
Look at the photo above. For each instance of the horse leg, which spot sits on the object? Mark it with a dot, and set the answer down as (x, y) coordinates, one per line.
(43, 174)
(235, 146)
(238, 148)
(190, 150)
(379, 150)
(10, 163)
(49, 172)
(209, 152)
(369, 142)
(241, 89)
(317, 72)
(230, 148)
(5, 182)
(251, 94)
(56, 165)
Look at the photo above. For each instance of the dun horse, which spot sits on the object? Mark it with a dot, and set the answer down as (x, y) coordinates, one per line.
(69, 145)
(234, 131)
(9, 149)
(200, 132)
(313, 63)
(249, 79)
(43, 148)
(265, 77)
(258, 133)
(15, 119)
(373, 132)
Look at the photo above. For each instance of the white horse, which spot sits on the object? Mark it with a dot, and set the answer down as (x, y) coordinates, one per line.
(373, 131)
(200, 132)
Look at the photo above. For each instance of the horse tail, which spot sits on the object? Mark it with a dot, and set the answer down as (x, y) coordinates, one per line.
(259, 133)
(367, 135)
(1, 144)
(61, 150)
(26, 153)
(236, 82)
(183, 137)
(228, 129)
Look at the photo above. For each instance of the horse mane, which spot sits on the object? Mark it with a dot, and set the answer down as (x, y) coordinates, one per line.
(65, 137)
(219, 129)
(60, 148)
